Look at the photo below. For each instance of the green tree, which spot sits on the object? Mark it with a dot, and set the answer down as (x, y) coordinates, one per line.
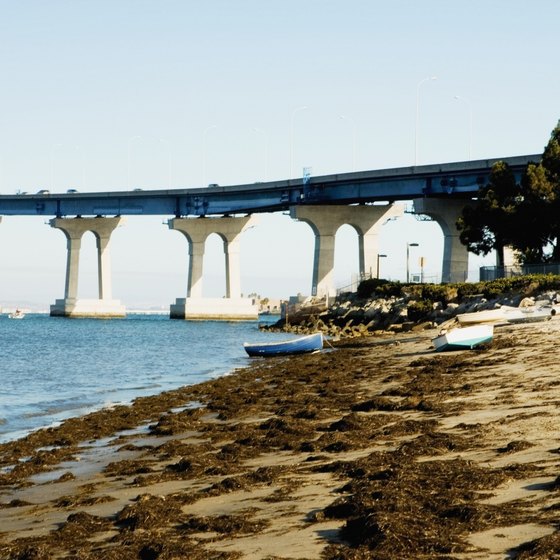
(524, 215)
(536, 225)
(538, 235)
(489, 223)
(551, 157)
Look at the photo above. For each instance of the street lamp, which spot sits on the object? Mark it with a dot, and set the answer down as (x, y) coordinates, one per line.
(166, 143)
(130, 140)
(353, 140)
(204, 152)
(297, 109)
(53, 148)
(265, 139)
(467, 102)
(408, 246)
(429, 78)
(379, 257)
(79, 148)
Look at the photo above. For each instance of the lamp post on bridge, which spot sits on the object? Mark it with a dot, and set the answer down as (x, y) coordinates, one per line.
(408, 246)
(83, 158)
(161, 141)
(429, 78)
(265, 139)
(296, 110)
(53, 149)
(468, 104)
(353, 123)
(206, 130)
(130, 140)
(166, 143)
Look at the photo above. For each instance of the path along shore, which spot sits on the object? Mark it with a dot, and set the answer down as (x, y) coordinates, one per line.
(380, 448)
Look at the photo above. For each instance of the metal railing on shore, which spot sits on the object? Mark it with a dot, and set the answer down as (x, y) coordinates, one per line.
(493, 272)
(414, 279)
(353, 286)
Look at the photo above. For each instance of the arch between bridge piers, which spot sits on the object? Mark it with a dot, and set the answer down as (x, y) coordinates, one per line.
(195, 307)
(71, 305)
(446, 212)
(325, 221)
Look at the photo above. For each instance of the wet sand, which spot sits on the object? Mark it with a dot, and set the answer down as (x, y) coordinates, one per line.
(380, 448)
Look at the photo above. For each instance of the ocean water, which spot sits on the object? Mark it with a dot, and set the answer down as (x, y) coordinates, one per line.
(54, 368)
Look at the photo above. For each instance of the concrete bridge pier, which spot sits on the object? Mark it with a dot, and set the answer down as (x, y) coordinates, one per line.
(71, 305)
(196, 307)
(455, 265)
(325, 222)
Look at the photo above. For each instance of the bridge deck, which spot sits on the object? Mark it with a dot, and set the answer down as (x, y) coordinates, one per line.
(458, 179)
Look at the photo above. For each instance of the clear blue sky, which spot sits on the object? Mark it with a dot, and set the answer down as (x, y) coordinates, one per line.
(110, 95)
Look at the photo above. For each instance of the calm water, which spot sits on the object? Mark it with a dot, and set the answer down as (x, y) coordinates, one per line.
(53, 368)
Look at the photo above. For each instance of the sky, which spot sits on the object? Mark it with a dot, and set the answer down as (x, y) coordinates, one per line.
(111, 95)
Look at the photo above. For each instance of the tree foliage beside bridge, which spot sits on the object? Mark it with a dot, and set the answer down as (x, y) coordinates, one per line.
(524, 215)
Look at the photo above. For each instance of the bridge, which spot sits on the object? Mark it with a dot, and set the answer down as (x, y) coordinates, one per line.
(364, 200)
(447, 180)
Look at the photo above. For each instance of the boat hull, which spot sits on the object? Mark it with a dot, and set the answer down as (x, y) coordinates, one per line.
(528, 315)
(486, 316)
(507, 314)
(303, 345)
(464, 338)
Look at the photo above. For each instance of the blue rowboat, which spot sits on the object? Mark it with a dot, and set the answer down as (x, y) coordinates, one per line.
(467, 337)
(302, 345)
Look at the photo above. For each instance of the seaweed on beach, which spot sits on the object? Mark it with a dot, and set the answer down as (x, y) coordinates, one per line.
(263, 476)
(78, 500)
(128, 468)
(408, 428)
(437, 443)
(515, 447)
(15, 504)
(82, 525)
(243, 524)
(545, 548)
(176, 423)
(429, 507)
(149, 511)
(390, 404)
(25, 549)
(40, 460)
(154, 545)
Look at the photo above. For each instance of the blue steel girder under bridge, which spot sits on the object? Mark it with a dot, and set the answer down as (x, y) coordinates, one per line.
(447, 180)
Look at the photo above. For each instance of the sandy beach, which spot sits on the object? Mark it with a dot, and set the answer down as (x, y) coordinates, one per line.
(379, 448)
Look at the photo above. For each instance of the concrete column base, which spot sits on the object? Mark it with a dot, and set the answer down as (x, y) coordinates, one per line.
(95, 308)
(214, 309)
